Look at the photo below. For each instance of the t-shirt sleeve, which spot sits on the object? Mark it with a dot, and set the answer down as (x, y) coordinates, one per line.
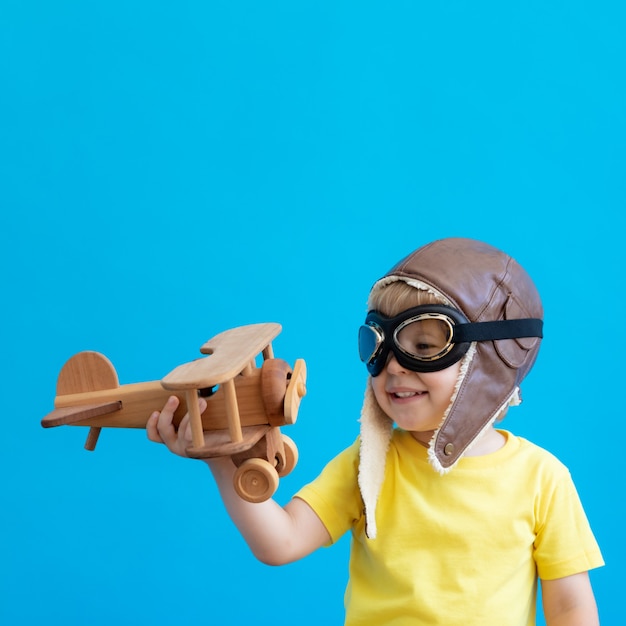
(334, 495)
(564, 543)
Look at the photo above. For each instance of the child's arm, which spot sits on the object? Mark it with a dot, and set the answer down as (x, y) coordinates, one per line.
(276, 535)
(569, 601)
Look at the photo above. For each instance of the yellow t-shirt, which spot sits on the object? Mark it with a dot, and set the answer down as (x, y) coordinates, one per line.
(460, 549)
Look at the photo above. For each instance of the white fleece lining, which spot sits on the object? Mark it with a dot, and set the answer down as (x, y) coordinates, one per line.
(413, 282)
(376, 431)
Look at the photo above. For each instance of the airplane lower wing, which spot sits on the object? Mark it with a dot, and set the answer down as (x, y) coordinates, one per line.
(76, 414)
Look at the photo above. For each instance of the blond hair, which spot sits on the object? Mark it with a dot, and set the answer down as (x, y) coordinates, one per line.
(398, 296)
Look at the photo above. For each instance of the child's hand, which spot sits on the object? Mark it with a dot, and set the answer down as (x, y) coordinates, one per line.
(161, 429)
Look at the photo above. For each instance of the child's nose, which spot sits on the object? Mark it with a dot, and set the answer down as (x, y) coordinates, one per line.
(393, 367)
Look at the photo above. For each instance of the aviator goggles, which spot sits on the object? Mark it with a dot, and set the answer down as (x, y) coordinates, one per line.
(429, 338)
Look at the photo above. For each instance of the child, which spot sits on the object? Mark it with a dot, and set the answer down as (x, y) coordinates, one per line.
(453, 521)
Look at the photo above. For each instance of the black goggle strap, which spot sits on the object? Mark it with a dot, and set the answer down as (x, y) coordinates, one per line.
(502, 329)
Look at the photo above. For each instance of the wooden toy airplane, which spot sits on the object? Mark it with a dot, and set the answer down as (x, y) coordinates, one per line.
(246, 404)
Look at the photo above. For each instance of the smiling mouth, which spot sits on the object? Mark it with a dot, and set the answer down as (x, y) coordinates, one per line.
(406, 394)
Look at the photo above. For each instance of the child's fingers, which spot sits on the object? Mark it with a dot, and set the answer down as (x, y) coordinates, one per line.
(164, 422)
(151, 428)
(160, 426)
(184, 429)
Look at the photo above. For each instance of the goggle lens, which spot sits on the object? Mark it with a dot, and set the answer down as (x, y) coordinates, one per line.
(370, 339)
(425, 338)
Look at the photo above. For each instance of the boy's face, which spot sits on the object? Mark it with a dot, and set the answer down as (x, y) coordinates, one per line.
(415, 401)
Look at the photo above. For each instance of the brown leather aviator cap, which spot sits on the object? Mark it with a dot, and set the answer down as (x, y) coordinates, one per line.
(485, 284)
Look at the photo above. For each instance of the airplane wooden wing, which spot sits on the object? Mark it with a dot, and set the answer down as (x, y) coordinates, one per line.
(232, 352)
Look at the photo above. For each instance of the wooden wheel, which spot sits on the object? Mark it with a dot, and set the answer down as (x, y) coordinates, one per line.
(255, 480)
(291, 456)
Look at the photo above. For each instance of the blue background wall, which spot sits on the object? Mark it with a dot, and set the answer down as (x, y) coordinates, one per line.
(169, 170)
